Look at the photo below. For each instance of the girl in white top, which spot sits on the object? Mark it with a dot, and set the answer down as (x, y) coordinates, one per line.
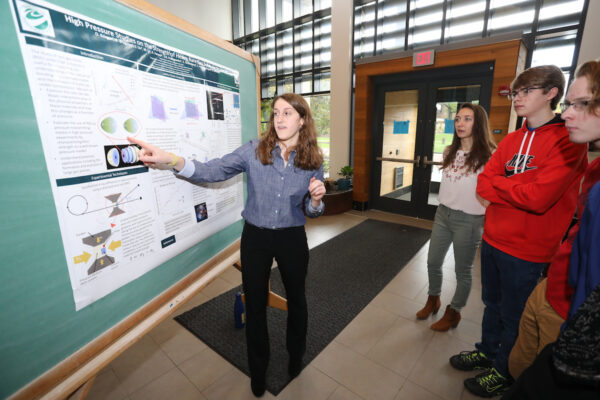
(459, 217)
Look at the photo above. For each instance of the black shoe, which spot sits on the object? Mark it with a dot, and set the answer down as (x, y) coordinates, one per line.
(258, 387)
(471, 360)
(295, 367)
(488, 384)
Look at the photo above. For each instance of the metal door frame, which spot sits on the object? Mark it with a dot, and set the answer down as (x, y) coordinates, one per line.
(427, 82)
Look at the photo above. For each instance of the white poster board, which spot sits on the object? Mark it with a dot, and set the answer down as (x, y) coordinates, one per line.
(93, 85)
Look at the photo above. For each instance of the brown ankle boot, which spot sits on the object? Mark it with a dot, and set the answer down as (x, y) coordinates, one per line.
(450, 319)
(431, 307)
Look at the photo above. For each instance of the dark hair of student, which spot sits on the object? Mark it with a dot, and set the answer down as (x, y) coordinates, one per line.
(308, 155)
(544, 76)
(483, 145)
(591, 70)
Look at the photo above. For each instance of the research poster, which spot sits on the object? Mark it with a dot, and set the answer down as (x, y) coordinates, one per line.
(92, 85)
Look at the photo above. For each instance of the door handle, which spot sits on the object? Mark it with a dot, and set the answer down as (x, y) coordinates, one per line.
(402, 160)
(426, 162)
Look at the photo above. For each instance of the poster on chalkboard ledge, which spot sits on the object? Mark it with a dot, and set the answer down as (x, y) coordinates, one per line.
(92, 86)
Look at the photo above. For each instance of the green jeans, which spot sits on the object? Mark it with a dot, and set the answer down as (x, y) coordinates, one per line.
(464, 232)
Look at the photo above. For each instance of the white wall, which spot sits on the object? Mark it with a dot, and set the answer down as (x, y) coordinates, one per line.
(590, 50)
(341, 85)
(213, 16)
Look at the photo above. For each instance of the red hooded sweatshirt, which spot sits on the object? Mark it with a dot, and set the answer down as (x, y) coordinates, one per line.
(558, 290)
(532, 181)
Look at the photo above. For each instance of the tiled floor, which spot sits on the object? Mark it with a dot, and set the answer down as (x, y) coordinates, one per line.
(384, 353)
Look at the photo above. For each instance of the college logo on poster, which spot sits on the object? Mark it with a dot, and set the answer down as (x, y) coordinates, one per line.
(35, 19)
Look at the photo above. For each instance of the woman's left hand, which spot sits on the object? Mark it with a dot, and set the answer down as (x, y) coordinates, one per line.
(317, 191)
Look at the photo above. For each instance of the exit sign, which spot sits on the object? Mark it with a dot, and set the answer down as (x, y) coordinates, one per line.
(422, 58)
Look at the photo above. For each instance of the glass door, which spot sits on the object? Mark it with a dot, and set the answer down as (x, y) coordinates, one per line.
(447, 102)
(413, 124)
(396, 169)
(398, 163)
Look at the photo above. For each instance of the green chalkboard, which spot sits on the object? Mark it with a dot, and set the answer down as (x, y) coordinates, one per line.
(39, 326)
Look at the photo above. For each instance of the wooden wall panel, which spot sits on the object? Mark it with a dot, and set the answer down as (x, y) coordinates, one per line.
(509, 58)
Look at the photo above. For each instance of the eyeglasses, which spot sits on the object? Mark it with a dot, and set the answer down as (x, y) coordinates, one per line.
(523, 92)
(578, 105)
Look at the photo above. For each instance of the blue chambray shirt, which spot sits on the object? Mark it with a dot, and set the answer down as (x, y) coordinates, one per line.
(275, 192)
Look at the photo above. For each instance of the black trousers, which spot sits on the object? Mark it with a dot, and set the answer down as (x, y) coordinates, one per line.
(290, 249)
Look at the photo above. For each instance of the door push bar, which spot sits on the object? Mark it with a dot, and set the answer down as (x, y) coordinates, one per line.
(402, 160)
(425, 162)
(416, 161)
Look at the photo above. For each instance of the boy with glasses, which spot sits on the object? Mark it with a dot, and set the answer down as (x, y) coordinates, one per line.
(570, 367)
(548, 306)
(530, 188)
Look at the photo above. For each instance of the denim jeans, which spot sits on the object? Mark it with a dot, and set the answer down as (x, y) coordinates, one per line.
(506, 283)
(464, 232)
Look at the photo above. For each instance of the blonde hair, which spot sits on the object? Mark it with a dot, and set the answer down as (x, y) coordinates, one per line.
(591, 70)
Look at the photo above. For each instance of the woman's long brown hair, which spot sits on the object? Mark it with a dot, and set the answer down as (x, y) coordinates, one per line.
(483, 145)
(308, 154)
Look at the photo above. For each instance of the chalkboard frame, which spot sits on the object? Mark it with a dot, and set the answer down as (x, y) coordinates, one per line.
(29, 303)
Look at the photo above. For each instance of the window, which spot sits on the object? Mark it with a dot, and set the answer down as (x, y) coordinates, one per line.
(464, 20)
(319, 106)
(425, 22)
(391, 26)
(293, 37)
(560, 13)
(293, 40)
(554, 26)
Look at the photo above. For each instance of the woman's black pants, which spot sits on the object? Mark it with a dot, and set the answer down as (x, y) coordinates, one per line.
(289, 248)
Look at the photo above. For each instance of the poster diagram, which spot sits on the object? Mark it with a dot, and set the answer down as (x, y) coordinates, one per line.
(190, 109)
(122, 156)
(78, 205)
(214, 105)
(170, 198)
(157, 109)
(93, 86)
(99, 249)
(118, 124)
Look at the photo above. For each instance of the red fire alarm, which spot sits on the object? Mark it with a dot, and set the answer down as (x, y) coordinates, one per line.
(503, 90)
